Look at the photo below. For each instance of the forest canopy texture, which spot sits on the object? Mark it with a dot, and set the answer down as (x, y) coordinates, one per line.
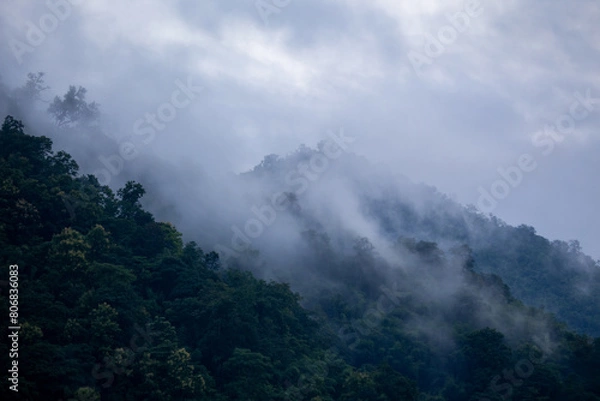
(114, 305)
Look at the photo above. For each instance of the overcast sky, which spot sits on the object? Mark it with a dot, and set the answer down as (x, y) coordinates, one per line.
(445, 92)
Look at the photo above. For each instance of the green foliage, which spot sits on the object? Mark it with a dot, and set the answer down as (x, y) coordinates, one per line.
(113, 305)
(248, 375)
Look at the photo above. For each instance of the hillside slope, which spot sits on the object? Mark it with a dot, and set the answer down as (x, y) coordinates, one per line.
(113, 305)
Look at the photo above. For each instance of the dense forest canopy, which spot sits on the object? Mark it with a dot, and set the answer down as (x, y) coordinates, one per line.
(416, 298)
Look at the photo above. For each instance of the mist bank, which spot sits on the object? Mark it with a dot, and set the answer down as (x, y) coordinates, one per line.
(126, 306)
(298, 215)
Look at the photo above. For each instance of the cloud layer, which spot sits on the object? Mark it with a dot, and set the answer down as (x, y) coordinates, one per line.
(280, 73)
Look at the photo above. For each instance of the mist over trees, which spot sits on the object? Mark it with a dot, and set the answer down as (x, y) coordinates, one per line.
(359, 285)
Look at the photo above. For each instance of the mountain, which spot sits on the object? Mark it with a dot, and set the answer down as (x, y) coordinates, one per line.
(349, 199)
(342, 283)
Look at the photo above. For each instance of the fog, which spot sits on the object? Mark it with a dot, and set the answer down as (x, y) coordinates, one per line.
(277, 75)
(282, 132)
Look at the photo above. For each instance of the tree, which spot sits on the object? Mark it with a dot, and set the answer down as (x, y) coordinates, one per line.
(268, 163)
(31, 90)
(129, 204)
(486, 355)
(393, 385)
(248, 375)
(72, 109)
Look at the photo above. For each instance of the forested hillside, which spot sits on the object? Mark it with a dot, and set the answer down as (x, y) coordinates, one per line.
(554, 275)
(113, 305)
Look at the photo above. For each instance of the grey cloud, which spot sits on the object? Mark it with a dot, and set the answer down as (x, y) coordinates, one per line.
(322, 65)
